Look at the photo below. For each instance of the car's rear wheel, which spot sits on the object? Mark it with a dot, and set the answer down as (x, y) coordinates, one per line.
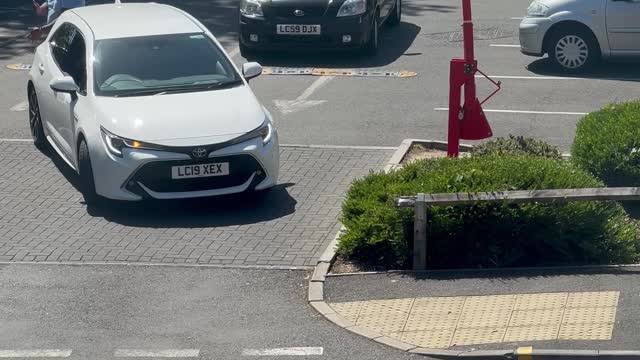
(574, 50)
(396, 15)
(371, 48)
(35, 122)
(87, 184)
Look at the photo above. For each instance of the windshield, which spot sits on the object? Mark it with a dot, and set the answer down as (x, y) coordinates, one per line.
(153, 64)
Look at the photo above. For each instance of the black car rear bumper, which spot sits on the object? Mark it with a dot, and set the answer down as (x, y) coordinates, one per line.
(332, 31)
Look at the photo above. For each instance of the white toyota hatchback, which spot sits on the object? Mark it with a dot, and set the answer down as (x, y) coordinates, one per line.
(142, 101)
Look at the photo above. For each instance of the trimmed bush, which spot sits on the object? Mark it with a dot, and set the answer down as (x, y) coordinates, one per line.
(607, 144)
(517, 145)
(487, 235)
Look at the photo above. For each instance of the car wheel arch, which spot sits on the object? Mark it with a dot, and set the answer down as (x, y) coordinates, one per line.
(80, 138)
(564, 26)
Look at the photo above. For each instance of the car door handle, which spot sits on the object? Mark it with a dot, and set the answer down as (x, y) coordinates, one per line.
(41, 68)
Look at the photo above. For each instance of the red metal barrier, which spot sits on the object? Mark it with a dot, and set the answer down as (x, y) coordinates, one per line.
(466, 120)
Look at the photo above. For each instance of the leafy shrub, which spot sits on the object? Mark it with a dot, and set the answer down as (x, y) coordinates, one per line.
(607, 144)
(517, 145)
(486, 235)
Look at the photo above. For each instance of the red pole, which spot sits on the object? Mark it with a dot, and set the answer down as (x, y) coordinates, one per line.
(467, 31)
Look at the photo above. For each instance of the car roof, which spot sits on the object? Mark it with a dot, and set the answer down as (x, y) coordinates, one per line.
(135, 19)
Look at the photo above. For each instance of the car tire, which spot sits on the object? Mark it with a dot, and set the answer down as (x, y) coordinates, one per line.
(35, 122)
(574, 50)
(396, 15)
(371, 47)
(87, 183)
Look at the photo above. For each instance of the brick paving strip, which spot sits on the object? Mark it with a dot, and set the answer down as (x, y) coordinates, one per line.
(43, 219)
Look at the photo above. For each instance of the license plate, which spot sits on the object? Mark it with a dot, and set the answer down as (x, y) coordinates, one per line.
(200, 170)
(291, 29)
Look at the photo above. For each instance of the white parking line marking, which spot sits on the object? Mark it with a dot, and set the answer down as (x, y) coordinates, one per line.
(301, 102)
(517, 18)
(505, 45)
(16, 140)
(21, 106)
(167, 353)
(524, 112)
(300, 351)
(37, 353)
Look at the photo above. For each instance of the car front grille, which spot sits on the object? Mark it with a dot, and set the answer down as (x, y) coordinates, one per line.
(156, 175)
(288, 11)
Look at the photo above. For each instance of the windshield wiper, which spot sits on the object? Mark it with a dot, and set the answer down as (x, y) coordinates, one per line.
(182, 89)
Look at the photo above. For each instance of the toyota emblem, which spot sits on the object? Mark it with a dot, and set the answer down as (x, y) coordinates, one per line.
(298, 13)
(199, 152)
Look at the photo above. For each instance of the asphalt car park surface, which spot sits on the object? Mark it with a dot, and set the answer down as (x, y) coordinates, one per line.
(42, 217)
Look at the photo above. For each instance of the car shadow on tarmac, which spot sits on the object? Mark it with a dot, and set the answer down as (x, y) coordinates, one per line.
(394, 43)
(609, 70)
(239, 209)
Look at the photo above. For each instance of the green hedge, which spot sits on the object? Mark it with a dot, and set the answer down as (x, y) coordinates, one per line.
(488, 235)
(517, 145)
(607, 144)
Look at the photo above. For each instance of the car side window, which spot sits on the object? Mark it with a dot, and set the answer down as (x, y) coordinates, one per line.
(69, 51)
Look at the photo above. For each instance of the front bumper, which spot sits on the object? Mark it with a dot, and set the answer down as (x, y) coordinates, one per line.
(141, 174)
(332, 31)
(532, 34)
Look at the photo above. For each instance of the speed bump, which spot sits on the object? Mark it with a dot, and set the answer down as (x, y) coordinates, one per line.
(19, 66)
(337, 72)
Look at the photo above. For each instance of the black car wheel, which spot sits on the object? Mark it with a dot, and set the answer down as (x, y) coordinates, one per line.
(396, 16)
(87, 185)
(35, 122)
(245, 52)
(574, 50)
(371, 48)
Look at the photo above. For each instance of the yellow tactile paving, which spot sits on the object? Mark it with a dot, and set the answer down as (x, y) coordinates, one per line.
(349, 311)
(585, 332)
(593, 299)
(600, 315)
(536, 317)
(439, 305)
(532, 333)
(403, 305)
(431, 321)
(432, 339)
(541, 301)
(471, 336)
(441, 322)
(493, 318)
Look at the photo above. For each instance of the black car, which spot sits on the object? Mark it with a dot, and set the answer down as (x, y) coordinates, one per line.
(315, 24)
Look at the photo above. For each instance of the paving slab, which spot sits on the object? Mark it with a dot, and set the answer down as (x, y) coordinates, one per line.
(587, 309)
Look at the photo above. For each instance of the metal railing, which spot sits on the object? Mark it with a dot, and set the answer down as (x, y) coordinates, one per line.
(422, 202)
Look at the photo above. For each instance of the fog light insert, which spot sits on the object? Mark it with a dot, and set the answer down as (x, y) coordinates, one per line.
(346, 38)
(253, 37)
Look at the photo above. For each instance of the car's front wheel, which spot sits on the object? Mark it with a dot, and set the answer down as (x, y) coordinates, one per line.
(574, 50)
(371, 48)
(396, 15)
(35, 121)
(87, 184)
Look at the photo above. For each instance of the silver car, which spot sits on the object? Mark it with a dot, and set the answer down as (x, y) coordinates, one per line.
(578, 33)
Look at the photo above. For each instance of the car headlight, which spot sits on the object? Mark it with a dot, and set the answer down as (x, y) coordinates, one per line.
(115, 144)
(251, 8)
(264, 131)
(352, 7)
(537, 9)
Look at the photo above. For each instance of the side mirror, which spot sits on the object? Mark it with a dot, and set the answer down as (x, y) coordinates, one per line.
(251, 70)
(65, 84)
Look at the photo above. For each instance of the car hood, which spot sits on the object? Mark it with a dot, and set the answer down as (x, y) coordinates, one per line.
(183, 119)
